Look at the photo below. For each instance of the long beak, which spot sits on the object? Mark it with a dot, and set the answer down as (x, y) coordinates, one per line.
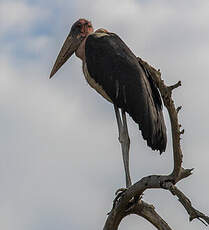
(69, 47)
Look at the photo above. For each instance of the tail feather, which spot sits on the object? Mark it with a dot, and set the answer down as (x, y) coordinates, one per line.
(155, 135)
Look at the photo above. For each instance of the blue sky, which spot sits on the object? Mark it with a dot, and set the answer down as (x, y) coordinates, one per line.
(60, 157)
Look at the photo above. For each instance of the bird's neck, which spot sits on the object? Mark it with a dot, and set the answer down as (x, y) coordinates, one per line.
(80, 52)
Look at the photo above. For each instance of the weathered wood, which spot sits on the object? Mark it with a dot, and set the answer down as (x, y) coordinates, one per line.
(130, 200)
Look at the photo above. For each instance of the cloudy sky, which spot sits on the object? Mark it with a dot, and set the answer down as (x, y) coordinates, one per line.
(60, 157)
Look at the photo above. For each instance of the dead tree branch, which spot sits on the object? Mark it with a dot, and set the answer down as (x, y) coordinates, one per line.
(166, 93)
(139, 208)
(193, 213)
(129, 201)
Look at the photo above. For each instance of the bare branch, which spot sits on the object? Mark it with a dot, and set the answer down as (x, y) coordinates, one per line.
(129, 201)
(173, 114)
(185, 173)
(148, 212)
(172, 87)
(193, 213)
(178, 109)
(182, 131)
(128, 204)
(139, 208)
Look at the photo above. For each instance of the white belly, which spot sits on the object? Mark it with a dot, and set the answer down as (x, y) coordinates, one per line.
(94, 84)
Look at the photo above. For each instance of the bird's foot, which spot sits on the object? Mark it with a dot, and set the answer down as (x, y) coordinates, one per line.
(119, 193)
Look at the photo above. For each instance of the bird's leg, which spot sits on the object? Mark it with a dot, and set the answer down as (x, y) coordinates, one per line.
(125, 149)
(125, 142)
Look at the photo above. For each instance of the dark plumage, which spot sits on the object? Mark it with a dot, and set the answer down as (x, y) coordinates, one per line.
(114, 72)
(128, 84)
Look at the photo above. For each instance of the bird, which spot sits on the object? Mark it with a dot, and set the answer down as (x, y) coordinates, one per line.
(112, 69)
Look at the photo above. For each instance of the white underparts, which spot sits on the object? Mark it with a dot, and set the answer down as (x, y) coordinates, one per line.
(93, 83)
(80, 52)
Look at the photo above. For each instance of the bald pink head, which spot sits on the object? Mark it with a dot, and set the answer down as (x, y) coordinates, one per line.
(78, 33)
(83, 27)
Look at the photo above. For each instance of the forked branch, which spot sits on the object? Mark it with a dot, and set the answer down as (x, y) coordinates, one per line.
(130, 202)
(139, 208)
(193, 213)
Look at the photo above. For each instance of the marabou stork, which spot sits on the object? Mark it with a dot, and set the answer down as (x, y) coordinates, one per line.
(112, 69)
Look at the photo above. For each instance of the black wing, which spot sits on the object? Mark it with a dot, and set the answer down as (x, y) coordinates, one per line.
(113, 66)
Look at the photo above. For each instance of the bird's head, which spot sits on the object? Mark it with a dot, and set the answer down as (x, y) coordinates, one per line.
(79, 31)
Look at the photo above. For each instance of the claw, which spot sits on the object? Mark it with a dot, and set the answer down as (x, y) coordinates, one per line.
(118, 194)
(120, 190)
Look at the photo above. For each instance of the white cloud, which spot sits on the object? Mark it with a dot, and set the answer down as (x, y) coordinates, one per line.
(38, 44)
(19, 16)
(60, 147)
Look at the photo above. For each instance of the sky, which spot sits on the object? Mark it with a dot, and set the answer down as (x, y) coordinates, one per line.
(61, 162)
